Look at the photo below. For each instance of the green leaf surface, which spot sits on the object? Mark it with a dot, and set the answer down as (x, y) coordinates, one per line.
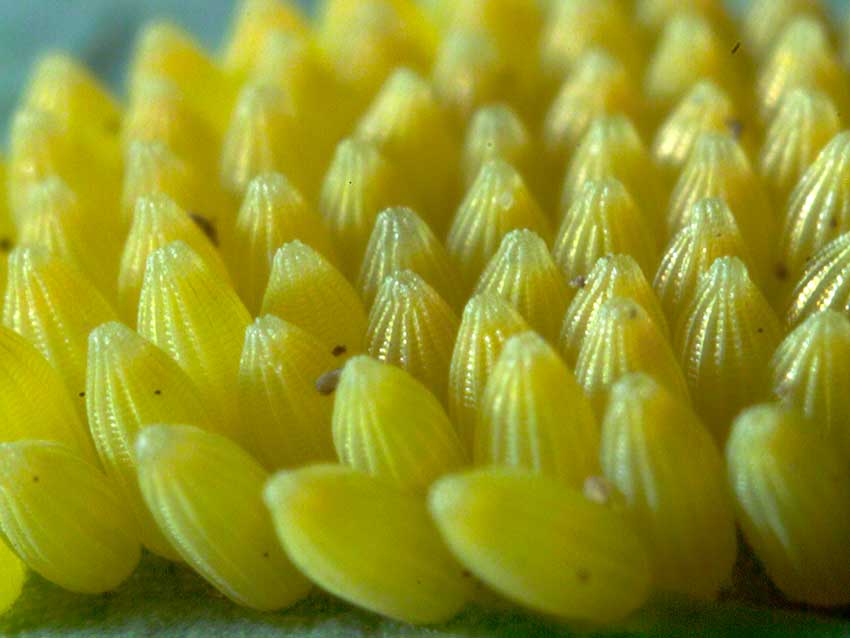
(165, 599)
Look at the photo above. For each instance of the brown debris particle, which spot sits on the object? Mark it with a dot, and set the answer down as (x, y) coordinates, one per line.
(206, 226)
(583, 575)
(735, 126)
(157, 392)
(81, 394)
(579, 282)
(5, 244)
(339, 350)
(833, 222)
(598, 489)
(327, 382)
(736, 47)
(781, 272)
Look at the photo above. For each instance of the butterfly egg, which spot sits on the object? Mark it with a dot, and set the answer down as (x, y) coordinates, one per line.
(34, 402)
(791, 491)
(764, 21)
(542, 544)
(401, 240)
(724, 339)
(63, 87)
(659, 455)
(802, 56)
(132, 383)
(706, 107)
(818, 209)
(534, 415)
(718, 167)
(603, 219)
(513, 24)
(263, 136)
(52, 305)
(157, 221)
(163, 49)
(306, 290)
(13, 574)
(41, 145)
(495, 131)
(487, 322)
(469, 71)
(611, 276)
(289, 420)
(688, 50)
(364, 41)
(387, 423)
(711, 233)
(412, 327)
(824, 284)
(253, 22)
(497, 202)
(64, 519)
(406, 124)
(365, 540)
(654, 15)
(598, 84)
(612, 147)
(358, 184)
(805, 121)
(811, 371)
(56, 219)
(152, 167)
(292, 62)
(159, 112)
(197, 318)
(621, 338)
(575, 27)
(273, 212)
(197, 484)
(523, 273)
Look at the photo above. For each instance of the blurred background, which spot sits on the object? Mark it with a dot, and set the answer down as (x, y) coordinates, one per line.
(98, 32)
(101, 33)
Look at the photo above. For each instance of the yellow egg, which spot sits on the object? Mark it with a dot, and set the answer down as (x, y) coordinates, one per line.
(205, 493)
(64, 519)
(542, 544)
(487, 322)
(288, 418)
(387, 423)
(534, 415)
(365, 540)
(791, 496)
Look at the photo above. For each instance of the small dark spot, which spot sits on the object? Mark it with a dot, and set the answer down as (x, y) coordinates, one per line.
(327, 382)
(808, 258)
(157, 392)
(760, 330)
(579, 282)
(633, 313)
(81, 394)
(833, 222)
(265, 554)
(583, 575)
(735, 126)
(207, 227)
(339, 350)
(5, 244)
(736, 47)
(418, 581)
(112, 126)
(781, 272)
(35, 479)
(466, 573)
